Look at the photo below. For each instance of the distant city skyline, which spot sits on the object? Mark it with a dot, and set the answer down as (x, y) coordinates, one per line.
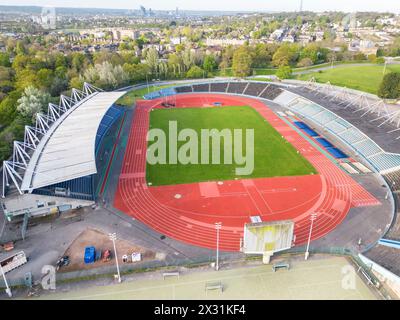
(222, 5)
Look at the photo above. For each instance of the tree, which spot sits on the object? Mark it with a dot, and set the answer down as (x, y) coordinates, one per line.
(285, 55)
(390, 86)
(284, 72)
(195, 72)
(372, 58)
(8, 108)
(78, 61)
(380, 60)
(175, 63)
(137, 72)
(152, 60)
(210, 64)
(187, 59)
(261, 56)
(106, 76)
(241, 63)
(305, 62)
(311, 52)
(32, 102)
(5, 59)
(45, 78)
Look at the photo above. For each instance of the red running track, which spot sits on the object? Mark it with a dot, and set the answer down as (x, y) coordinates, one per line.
(190, 217)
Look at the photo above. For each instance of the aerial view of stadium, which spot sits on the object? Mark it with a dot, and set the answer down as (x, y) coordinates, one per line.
(221, 186)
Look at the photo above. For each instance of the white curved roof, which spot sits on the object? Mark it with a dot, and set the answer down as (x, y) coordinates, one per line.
(67, 151)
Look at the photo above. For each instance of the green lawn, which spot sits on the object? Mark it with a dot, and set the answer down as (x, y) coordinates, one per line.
(319, 279)
(364, 78)
(274, 156)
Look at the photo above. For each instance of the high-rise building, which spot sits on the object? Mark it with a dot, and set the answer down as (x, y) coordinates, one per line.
(48, 18)
(143, 10)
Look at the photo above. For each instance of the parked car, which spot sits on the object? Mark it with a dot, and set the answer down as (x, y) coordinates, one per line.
(106, 255)
(90, 255)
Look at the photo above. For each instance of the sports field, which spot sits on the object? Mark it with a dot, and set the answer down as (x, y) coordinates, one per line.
(274, 156)
(327, 279)
(364, 78)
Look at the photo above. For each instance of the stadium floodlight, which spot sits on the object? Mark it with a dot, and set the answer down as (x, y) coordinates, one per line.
(313, 217)
(8, 290)
(218, 226)
(113, 237)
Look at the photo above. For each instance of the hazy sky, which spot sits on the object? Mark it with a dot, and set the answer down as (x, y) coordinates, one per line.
(229, 5)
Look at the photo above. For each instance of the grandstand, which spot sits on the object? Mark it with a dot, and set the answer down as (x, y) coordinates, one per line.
(254, 89)
(58, 163)
(344, 118)
(362, 144)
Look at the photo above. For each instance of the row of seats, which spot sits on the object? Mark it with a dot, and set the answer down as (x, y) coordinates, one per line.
(393, 179)
(387, 257)
(81, 188)
(185, 89)
(204, 87)
(112, 115)
(351, 135)
(385, 161)
(255, 89)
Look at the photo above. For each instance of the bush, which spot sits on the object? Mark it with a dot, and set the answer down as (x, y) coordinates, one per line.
(305, 62)
(360, 57)
(390, 86)
(372, 58)
(195, 72)
(380, 60)
(284, 72)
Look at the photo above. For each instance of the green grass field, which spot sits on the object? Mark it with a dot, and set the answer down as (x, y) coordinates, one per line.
(364, 78)
(274, 156)
(311, 280)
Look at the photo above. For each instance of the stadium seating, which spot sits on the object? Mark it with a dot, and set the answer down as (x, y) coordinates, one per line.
(271, 92)
(112, 115)
(218, 87)
(337, 153)
(204, 87)
(81, 188)
(325, 143)
(324, 117)
(376, 156)
(353, 136)
(184, 89)
(237, 87)
(254, 89)
(385, 161)
(336, 127)
(368, 148)
(393, 179)
(387, 257)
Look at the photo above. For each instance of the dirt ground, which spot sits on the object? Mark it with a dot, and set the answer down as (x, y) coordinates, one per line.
(101, 241)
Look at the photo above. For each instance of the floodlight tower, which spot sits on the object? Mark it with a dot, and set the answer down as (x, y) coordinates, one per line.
(218, 227)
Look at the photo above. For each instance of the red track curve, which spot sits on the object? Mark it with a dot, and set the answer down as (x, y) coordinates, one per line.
(191, 218)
